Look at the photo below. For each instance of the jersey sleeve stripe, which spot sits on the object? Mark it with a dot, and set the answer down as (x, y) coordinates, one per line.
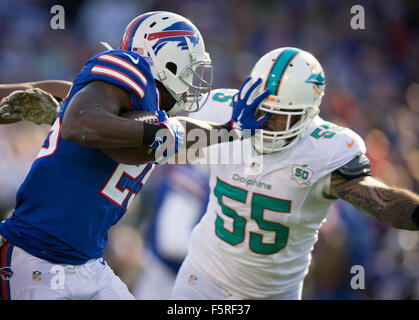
(119, 76)
(124, 64)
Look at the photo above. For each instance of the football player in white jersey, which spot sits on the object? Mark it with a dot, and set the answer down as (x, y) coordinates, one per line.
(264, 214)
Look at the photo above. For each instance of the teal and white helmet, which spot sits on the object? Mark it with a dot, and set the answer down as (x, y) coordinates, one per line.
(296, 82)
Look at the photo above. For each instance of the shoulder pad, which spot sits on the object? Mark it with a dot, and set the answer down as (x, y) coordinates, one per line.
(357, 167)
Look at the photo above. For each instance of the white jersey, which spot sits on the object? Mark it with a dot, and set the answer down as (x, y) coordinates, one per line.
(218, 107)
(263, 218)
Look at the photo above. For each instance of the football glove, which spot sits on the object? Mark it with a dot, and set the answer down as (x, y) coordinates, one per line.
(245, 105)
(34, 105)
(165, 148)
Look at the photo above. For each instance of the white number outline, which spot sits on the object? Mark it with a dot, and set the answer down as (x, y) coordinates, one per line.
(110, 190)
(54, 136)
(116, 195)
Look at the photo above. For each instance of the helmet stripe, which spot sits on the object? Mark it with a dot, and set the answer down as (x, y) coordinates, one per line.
(126, 43)
(169, 34)
(278, 69)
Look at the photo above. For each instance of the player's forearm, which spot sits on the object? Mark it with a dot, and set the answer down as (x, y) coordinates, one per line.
(98, 128)
(58, 88)
(389, 205)
(201, 134)
(6, 89)
(91, 118)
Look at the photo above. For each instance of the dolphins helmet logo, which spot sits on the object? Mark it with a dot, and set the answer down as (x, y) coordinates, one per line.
(176, 32)
(317, 80)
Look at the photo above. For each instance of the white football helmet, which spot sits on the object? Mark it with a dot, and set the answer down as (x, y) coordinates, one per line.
(175, 51)
(296, 82)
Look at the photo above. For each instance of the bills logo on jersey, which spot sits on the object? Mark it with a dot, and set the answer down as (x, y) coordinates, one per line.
(177, 32)
(301, 174)
(6, 273)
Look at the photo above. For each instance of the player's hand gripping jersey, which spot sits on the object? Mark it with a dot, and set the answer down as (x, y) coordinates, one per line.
(263, 218)
(74, 194)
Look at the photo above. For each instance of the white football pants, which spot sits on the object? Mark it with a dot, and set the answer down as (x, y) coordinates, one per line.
(26, 277)
(190, 284)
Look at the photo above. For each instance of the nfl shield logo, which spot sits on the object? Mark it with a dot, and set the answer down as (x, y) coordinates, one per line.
(192, 279)
(36, 275)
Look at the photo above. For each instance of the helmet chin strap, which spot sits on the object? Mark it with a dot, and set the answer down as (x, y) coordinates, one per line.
(177, 107)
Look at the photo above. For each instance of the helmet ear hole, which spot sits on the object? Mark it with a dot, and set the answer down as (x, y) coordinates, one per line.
(172, 67)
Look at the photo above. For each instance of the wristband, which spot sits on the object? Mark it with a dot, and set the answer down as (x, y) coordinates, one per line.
(149, 132)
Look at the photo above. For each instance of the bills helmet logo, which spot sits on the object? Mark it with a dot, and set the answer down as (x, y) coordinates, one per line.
(177, 33)
(6, 273)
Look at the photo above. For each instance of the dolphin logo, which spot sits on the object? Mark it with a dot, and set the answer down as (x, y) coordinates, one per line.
(317, 79)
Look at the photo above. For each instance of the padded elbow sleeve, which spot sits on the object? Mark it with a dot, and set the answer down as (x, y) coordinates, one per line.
(357, 167)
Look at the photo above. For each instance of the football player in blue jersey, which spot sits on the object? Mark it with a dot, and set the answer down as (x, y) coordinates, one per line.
(51, 247)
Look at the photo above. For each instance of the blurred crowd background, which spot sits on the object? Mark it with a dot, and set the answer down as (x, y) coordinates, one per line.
(372, 87)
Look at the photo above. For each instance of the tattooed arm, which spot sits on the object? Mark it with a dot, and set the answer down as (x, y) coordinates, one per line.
(389, 205)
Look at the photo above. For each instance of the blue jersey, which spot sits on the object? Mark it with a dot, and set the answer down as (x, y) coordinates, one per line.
(74, 194)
